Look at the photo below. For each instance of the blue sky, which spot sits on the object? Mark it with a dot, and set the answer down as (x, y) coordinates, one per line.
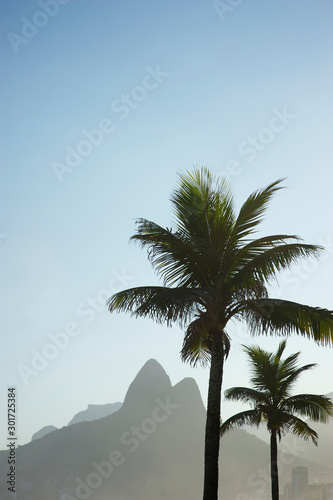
(244, 90)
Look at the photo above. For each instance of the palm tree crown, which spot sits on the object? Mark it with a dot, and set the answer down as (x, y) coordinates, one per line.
(271, 396)
(273, 403)
(212, 271)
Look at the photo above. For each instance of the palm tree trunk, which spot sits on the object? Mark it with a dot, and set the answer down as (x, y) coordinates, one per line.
(274, 467)
(212, 435)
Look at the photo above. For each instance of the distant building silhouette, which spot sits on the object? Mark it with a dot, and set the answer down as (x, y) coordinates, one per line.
(321, 491)
(288, 492)
(300, 489)
(300, 483)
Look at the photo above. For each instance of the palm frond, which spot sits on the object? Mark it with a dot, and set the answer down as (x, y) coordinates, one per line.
(177, 259)
(198, 341)
(247, 417)
(246, 395)
(203, 206)
(262, 263)
(317, 408)
(162, 304)
(204, 213)
(282, 317)
(263, 370)
(280, 351)
(301, 429)
(252, 211)
(289, 374)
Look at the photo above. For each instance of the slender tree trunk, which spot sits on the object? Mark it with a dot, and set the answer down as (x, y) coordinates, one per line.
(212, 436)
(274, 467)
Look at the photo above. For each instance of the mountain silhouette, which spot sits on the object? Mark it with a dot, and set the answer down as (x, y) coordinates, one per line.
(153, 443)
(94, 412)
(43, 431)
(149, 382)
(151, 448)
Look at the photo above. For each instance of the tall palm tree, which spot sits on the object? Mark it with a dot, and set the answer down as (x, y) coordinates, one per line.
(214, 271)
(273, 380)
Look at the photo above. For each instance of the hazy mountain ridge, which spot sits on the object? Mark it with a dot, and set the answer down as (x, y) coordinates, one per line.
(43, 431)
(159, 413)
(94, 412)
(153, 444)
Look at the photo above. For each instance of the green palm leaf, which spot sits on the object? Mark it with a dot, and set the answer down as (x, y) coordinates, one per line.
(162, 304)
(253, 210)
(246, 395)
(317, 408)
(203, 207)
(282, 317)
(197, 342)
(301, 429)
(176, 258)
(248, 417)
(264, 263)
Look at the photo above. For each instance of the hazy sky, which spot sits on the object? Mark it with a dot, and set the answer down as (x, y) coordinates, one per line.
(103, 104)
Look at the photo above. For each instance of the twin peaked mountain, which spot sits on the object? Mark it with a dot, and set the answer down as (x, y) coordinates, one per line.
(152, 447)
(152, 444)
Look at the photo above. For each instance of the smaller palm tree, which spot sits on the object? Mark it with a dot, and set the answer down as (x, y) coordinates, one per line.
(272, 402)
